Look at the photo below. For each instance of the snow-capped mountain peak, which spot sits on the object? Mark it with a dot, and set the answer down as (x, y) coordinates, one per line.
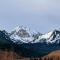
(21, 33)
(19, 28)
(24, 34)
(50, 37)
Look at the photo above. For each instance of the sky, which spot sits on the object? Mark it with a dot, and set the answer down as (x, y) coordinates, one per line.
(39, 15)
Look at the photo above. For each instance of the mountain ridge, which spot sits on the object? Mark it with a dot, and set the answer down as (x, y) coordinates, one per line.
(24, 34)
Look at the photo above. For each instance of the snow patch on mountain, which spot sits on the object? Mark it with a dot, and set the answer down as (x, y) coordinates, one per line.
(46, 36)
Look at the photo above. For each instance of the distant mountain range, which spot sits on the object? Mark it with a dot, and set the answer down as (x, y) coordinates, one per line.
(29, 43)
(24, 35)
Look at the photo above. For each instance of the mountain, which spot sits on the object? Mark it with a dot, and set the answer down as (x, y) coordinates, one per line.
(30, 44)
(24, 35)
(35, 44)
(51, 37)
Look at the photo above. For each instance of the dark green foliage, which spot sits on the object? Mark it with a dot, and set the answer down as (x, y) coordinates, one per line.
(5, 41)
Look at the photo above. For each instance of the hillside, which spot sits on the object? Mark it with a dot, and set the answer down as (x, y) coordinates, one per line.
(55, 55)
